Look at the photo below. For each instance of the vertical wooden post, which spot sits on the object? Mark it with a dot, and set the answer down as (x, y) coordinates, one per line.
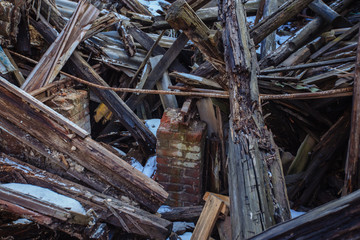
(252, 152)
(352, 178)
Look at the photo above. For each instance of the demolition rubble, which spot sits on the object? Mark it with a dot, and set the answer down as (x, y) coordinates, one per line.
(144, 119)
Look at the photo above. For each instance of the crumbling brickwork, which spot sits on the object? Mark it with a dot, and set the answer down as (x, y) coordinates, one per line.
(180, 151)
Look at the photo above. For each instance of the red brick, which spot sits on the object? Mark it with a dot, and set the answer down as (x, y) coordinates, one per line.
(185, 197)
(193, 172)
(162, 143)
(173, 187)
(169, 153)
(162, 178)
(184, 180)
(162, 160)
(164, 133)
(192, 189)
(194, 137)
(166, 169)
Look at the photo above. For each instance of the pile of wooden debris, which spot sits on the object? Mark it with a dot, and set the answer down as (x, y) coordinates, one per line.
(81, 81)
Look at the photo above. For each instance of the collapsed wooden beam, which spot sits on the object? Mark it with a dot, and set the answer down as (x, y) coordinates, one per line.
(117, 106)
(352, 176)
(338, 219)
(181, 16)
(54, 130)
(304, 35)
(251, 145)
(269, 24)
(135, 220)
(157, 72)
(61, 49)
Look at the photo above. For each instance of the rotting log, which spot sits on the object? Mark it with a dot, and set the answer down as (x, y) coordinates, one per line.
(352, 176)
(54, 130)
(252, 152)
(135, 220)
(117, 106)
(284, 13)
(338, 219)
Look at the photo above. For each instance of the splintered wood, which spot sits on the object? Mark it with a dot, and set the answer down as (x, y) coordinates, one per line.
(208, 217)
(62, 48)
(273, 83)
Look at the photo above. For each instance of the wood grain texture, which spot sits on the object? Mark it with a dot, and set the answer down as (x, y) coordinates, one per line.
(208, 218)
(18, 107)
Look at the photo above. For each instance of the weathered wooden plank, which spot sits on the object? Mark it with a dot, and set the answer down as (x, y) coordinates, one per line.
(181, 16)
(61, 49)
(352, 176)
(269, 24)
(304, 35)
(85, 151)
(338, 219)
(168, 101)
(138, 221)
(208, 218)
(159, 69)
(250, 145)
(117, 106)
(147, 42)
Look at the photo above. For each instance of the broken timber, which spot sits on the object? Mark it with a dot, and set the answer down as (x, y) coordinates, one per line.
(129, 218)
(251, 147)
(121, 111)
(61, 49)
(352, 176)
(53, 130)
(335, 220)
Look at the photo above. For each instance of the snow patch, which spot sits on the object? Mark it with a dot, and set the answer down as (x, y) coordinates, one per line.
(150, 166)
(47, 195)
(153, 125)
(186, 236)
(136, 164)
(164, 209)
(154, 5)
(295, 214)
(22, 221)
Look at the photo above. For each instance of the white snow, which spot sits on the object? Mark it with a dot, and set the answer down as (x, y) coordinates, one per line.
(153, 5)
(22, 221)
(153, 125)
(47, 195)
(119, 151)
(186, 236)
(164, 209)
(150, 166)
(136, 164)
(295, 214)
(182, 226)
